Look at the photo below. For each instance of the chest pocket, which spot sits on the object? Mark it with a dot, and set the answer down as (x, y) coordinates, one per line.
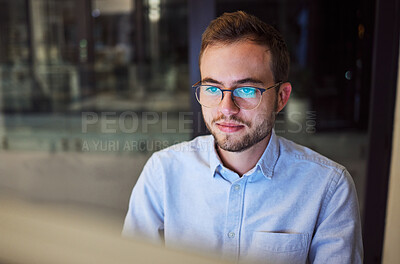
(279, 248)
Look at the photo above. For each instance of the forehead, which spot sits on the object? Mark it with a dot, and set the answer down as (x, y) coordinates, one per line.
(240, 60)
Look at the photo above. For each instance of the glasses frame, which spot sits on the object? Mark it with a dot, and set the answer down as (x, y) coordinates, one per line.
(262, 90)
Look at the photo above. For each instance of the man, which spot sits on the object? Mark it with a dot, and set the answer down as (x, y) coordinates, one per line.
(245, 193)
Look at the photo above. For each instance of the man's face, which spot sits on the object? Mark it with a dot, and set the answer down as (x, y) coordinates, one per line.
(230, 66)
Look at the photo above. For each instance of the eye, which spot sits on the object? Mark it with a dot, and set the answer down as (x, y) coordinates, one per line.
(245, 92)
(211, 90)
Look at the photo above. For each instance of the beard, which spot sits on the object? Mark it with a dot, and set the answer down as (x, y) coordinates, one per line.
(258, 131)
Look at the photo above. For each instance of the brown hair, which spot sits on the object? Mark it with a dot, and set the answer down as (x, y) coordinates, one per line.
(238, 26)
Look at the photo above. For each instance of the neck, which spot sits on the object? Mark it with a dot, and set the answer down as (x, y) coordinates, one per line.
(242, 162)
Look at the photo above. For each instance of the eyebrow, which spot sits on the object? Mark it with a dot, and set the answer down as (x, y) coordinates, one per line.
(211, 80)
(241, 81)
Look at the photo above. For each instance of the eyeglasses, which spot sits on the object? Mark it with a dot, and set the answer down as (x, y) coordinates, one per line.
(245, 97)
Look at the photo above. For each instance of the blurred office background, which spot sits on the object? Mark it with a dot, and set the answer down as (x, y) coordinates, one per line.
(89, 89)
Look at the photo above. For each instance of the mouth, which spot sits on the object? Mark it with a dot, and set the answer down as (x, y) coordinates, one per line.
(229, 127)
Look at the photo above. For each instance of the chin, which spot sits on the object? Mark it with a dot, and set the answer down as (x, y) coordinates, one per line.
(240, 143)
(232, 145)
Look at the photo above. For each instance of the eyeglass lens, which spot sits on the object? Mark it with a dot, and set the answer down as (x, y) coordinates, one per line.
(244, 97)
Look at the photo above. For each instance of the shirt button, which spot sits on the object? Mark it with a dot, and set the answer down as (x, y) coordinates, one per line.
(231, 234)
(236, 187)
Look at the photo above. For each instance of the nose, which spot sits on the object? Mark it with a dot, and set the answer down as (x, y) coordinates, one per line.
(227, 106)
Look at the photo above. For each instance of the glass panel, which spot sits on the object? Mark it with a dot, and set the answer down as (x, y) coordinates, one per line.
(102, 84)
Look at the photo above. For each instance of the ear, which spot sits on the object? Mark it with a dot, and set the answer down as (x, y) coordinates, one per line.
(283, 95)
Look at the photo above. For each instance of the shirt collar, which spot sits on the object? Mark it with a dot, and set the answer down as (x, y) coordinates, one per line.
(215, 161)
(270, 157)
(266, 163)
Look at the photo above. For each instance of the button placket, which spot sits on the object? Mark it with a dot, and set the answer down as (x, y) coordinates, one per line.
(234, 217)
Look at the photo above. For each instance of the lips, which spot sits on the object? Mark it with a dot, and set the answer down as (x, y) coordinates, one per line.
(229, 127)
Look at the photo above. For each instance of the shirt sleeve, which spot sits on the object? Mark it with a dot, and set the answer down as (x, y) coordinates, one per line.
(145, 217)
(337, 237)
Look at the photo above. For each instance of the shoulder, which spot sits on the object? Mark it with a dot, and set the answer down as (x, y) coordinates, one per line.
(299, 153)
(314, 169)
(311, 164)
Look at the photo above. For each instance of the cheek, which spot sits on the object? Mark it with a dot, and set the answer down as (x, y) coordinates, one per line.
(269, 104)
(261, 115)
(207, 114)
(255, 117)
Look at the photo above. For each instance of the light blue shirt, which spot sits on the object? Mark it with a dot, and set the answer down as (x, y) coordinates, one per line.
(294, 206)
